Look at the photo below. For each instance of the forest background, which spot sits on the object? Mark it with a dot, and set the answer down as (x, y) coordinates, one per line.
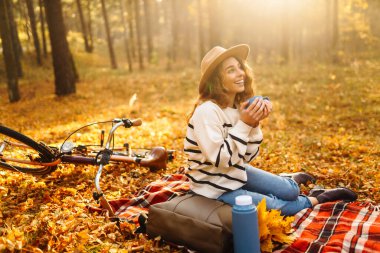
(67, 63)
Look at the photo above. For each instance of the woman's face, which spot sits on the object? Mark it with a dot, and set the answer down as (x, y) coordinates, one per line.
(233, 76)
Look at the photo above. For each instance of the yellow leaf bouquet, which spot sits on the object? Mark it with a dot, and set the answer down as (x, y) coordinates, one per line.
(274, 228)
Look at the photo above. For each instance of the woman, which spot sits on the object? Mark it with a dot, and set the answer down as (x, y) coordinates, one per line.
(224, 135)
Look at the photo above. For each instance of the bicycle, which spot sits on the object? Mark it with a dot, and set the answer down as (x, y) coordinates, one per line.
(20, 153)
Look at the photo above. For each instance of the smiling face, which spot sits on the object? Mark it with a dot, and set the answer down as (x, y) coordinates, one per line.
(229, 84)
(233, 77)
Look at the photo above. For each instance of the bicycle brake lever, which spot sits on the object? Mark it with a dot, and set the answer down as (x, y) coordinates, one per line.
(127, 123)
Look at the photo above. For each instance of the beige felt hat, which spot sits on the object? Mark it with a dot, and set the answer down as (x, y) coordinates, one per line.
(215, 56)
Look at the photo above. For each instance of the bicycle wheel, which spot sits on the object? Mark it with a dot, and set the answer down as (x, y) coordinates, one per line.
(20, 153)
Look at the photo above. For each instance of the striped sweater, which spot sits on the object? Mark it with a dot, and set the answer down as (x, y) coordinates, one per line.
(218, 145)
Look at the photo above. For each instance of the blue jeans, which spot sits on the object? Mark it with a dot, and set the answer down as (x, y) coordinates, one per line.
(281, 193)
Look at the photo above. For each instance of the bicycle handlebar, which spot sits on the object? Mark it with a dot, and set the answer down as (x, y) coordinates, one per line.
(136, 122)
(128, 123)
(157, 158)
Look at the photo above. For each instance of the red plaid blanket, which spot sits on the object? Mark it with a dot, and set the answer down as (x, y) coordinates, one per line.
(329, 227)
(158, 191)
(337, 227)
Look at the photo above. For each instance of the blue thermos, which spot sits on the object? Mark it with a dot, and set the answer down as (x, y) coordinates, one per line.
(245, 226)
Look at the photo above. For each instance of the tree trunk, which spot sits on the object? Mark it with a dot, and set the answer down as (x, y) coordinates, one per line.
(15, 38)
(126, 44)
(33, 26)
(174, 10)
(327, 37)
(108, 33)
(138, 33)
(64, 68)
(168, 27)
(285, 34)
(131, 30)
(8, 52)
(147, 14)
(155, 26)
(24, 15)
(200, 30)
(89, 26)
(373, 12)
(43, 35)
(213, 13)
(187, 27)
(87, 47)
(335, 30)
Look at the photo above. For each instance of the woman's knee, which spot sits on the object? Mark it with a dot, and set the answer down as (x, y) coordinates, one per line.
(288, 190)
(291, 193)
(294, 194)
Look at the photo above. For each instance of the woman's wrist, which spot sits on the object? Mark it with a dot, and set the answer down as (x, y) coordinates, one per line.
(255, 125)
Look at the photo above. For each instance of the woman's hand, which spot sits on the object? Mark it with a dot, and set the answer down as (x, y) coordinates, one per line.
(267, 109)
(252, 114)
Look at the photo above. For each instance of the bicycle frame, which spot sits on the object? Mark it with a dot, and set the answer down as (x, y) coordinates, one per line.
(104, 160)
(156, 159)
(159, 164)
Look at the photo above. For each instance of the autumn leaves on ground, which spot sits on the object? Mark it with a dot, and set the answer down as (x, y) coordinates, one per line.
(325, 121)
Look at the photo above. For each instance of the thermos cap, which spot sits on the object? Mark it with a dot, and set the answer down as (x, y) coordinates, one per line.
(243, 200)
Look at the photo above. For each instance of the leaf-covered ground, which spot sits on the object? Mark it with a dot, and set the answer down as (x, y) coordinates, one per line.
(326, 121)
